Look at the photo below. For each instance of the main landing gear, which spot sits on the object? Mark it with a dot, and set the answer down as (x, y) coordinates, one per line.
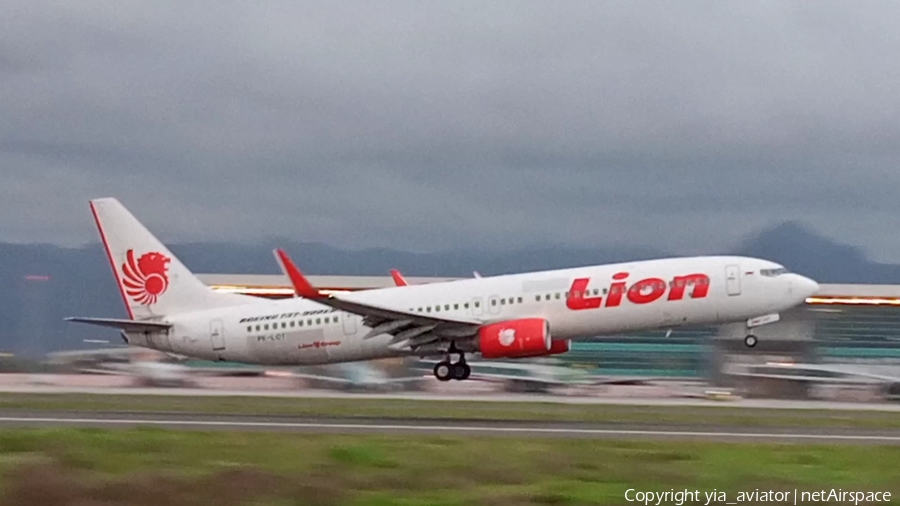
(446, 371)
(750, 341)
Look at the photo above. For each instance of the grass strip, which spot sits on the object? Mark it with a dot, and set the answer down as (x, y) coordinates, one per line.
(144, 467)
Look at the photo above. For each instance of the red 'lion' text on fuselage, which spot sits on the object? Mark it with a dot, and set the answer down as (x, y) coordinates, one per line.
(644, 291)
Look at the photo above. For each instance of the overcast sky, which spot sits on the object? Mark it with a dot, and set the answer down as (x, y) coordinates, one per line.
(435, 125)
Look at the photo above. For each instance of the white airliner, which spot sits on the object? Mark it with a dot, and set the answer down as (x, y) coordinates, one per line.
(510, 316)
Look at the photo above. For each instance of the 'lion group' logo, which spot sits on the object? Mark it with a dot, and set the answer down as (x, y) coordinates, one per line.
(507, 336)
(145, 279)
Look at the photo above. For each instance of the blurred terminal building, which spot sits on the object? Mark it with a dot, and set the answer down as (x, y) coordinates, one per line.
(842, 324)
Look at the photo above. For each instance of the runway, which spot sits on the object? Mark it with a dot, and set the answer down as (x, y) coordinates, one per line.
(470, 397)
(11, 419)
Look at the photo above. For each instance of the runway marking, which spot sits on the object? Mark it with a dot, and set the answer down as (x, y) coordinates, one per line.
(451, 428)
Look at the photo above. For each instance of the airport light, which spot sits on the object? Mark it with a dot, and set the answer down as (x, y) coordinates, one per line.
(858, 301)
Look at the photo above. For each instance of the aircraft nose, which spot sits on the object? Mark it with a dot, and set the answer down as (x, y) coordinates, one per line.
(805, 286)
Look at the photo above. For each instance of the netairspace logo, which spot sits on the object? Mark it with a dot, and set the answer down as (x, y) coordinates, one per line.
(708, 498)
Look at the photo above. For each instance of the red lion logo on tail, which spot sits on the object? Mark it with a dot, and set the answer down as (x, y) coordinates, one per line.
(145, 279)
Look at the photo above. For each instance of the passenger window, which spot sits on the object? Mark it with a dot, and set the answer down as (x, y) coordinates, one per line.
(455, 307)
(318, 321)
(537, 298)
(477, 304)
(257, 328)
(429, 309)
(596, 292)
(250, 328)
(309, 322)
(557, 295)
(466, 305)
(420, 310)
(437, 308)
(547, 297)
(267, 327)
(493, 302)
(300, 323)
(502, 302)
(284, 325)
(446, 307)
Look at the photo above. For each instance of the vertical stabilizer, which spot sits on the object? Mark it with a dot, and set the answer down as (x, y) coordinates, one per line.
(152, 281)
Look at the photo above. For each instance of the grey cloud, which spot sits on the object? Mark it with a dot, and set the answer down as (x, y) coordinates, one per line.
(431, 126)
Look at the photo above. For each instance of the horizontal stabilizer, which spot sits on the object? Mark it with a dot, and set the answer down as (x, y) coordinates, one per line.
(126, 325)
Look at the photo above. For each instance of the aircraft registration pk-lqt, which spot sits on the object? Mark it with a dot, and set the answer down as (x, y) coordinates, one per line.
(509, 316)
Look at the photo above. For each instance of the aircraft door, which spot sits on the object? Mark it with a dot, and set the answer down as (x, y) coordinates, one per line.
(349, 322)
(477, 309)
(494, 304)
(733, 279)
(217, 335)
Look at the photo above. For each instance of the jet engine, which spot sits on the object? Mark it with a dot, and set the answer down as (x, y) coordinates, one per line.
(560, 346)
(528, 337)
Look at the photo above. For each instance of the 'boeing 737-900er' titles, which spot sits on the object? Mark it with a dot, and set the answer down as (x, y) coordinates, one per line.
(509, 316)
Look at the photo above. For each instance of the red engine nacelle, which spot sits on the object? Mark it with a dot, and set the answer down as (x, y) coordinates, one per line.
(560, 347)
(528, 337)
(556, 347)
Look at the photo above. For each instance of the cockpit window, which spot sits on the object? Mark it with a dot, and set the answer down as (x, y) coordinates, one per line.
(773, 272)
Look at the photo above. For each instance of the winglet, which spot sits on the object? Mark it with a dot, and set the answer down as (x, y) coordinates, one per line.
(301, 285)
(398, 278)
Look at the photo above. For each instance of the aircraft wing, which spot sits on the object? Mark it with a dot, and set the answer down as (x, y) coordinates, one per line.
(399, 280)
(409, 329)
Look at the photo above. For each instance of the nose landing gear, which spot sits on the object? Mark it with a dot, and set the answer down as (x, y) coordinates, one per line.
(750, 341)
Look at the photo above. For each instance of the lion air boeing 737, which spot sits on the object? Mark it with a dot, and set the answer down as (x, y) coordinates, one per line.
(510, 316)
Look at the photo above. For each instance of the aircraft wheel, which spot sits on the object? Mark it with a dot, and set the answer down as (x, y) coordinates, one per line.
(750, 341)
(443, 371)
(461, 371)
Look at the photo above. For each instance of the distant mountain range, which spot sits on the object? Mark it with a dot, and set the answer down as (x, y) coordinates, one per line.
(79, 282)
